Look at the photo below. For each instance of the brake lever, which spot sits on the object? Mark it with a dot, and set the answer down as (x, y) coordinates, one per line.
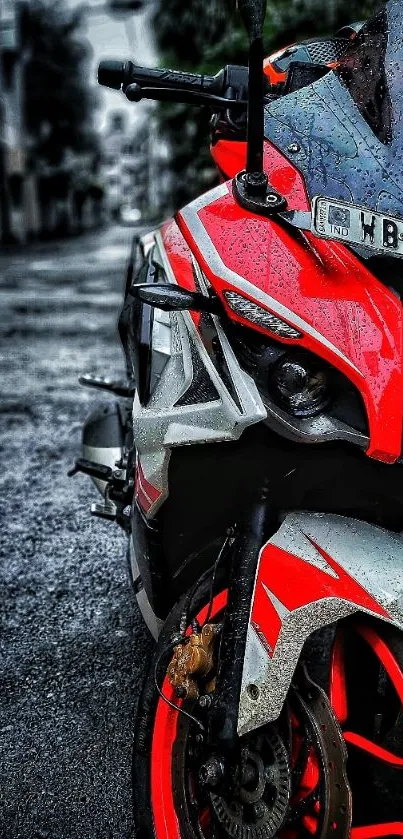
(135, 93)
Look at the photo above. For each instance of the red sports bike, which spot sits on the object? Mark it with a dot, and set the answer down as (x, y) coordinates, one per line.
(255, 457)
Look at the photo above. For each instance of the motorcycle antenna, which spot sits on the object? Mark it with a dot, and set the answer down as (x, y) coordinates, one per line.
(253, 13)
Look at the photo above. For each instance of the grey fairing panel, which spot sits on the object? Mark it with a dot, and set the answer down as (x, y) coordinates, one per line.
(373, 557)
(166, 421)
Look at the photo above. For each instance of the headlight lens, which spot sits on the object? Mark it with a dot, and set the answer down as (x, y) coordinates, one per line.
(257, 314)
(298, 383)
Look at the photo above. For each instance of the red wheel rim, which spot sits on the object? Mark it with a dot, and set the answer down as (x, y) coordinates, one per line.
(166, 823)
(338, 693)
(164, 735)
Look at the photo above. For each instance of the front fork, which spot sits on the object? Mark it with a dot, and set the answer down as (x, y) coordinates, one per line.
(259, 524)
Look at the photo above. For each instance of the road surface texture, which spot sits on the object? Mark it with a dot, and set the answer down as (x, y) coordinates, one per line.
(71, 639)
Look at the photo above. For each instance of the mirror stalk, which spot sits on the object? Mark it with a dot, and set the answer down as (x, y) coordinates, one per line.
(253, 13)
(251, 188)
(254, 164)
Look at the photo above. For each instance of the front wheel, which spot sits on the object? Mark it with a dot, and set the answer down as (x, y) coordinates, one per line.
(328, 767)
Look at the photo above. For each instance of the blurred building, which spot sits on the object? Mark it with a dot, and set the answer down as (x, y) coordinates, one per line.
(118, 149)
(14, 189)
(136, 171)
(37, 199)
(152, 169)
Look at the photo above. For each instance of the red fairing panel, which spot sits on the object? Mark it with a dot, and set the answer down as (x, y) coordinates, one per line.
(344, 313)
(314, 571)
(145, 493)
(230, 157)
(179, 254)
(181, 260)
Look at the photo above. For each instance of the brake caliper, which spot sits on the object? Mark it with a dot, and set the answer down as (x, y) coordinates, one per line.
(192, 663)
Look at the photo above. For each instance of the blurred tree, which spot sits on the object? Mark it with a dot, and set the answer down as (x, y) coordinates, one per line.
(287, 22)
(184, 36)
(59, 103)
(205, 35)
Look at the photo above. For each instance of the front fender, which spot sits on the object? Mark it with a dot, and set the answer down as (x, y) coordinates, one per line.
(315, 570)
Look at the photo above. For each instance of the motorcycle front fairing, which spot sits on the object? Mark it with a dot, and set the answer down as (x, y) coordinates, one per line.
(336, 307)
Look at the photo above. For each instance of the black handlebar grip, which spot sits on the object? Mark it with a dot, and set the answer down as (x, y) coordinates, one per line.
(167, 79)
(116, 74)
(111, 74)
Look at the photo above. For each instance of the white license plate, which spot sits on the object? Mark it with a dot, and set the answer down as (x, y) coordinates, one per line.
(357, 225)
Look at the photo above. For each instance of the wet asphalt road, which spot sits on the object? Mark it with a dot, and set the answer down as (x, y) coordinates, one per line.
(71, 639)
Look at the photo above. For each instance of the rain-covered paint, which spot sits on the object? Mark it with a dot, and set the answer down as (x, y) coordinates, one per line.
(180, 259)
(230, 157)
(346, 315)
(179, 255)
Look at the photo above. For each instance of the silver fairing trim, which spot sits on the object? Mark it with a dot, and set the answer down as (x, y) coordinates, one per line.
(162, 423)
(373, 557)
(318, 429)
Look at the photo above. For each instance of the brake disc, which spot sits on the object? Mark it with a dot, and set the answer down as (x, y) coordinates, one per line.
(334, 793)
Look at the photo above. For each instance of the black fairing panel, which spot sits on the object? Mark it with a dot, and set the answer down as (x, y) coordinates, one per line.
(210, 487)
(349, 124)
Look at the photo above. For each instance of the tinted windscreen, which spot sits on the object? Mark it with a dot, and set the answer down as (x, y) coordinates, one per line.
(348, 126)
(363, 72)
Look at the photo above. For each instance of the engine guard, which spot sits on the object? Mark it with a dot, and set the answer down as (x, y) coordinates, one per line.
(315, 570)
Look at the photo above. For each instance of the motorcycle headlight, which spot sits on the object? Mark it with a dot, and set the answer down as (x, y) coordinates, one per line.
(298, 383)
